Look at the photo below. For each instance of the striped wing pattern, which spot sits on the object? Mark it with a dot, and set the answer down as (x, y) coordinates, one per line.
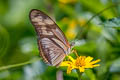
(52, 43)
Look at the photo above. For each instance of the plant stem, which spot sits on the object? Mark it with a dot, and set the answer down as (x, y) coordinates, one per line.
(80, 33)
(79, 74)
(19, 64)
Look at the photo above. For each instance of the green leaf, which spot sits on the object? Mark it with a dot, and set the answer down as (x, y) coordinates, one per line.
(4, 41)
(112, 23)
(115, 67)
(90, 74)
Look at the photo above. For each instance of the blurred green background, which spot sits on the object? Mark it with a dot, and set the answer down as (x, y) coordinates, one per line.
(18, 42)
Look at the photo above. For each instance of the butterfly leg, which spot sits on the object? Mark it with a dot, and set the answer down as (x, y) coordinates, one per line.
(75, 52)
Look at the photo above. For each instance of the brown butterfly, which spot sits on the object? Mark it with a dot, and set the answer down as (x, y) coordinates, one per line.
(52, 42)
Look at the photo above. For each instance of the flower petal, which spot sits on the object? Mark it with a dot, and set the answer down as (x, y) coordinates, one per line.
(65, 63)
(93, 62)
(81, 69)
(96, 65)
(69, 69)
(89, 66)
(73, 60)
(88, 59)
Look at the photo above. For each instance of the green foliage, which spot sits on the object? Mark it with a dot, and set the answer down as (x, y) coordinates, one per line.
(99, 39)
(112, 23)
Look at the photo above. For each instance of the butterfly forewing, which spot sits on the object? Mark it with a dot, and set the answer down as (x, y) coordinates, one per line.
(52, 43)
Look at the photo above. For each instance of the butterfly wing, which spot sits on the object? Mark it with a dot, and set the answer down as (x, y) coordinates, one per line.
(52, 43)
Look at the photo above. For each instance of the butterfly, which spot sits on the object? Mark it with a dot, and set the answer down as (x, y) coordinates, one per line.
(52, 43)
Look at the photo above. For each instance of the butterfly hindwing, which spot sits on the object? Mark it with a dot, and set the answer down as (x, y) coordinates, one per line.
(51, 41)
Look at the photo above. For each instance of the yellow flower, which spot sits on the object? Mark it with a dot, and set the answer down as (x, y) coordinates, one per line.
(71, 32)
(67, 1)
(81, 62)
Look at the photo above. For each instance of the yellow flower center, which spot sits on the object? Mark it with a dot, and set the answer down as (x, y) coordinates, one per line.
(80, 61)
